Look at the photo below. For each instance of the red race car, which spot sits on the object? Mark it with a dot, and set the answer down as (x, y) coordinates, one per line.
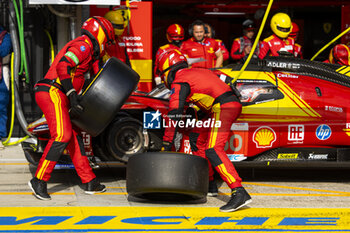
(294, 111)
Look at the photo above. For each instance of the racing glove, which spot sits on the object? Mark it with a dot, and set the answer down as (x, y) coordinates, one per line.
(166, 146)
(75, 108)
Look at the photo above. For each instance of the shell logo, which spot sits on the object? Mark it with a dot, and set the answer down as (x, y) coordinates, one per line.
(264, 137)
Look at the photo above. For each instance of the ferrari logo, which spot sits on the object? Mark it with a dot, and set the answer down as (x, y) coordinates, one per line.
(327, 27)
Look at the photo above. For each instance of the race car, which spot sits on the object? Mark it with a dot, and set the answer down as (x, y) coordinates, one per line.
(294, 111)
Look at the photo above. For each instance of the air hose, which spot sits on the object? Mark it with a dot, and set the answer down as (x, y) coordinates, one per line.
(15, 68)
(51, 46)
(21, 39)
(326, 46)
(6, 142)
(255, 42)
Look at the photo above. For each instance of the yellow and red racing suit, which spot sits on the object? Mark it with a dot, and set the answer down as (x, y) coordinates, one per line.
(272, 44)
(298, 51)
(162, 50)
(205, 49)
(205, 90)
(70, 64)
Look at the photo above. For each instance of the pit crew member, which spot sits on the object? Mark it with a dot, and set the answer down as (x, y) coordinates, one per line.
(5, 49)
(294, 34)
(242, 46)
(201, 48)
(175, 35)
(118, 49)
(204, 89)
(339, 54)
(210, 33)
(57, 96)
(279, 42)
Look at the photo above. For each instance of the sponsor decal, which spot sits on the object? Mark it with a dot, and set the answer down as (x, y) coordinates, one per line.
(236, 157)
(287, 156)
(283, 65)
(333, 109)
(296, 133)
(240, 127)
(152, 120)
(82, 48)
(323, 132)
(318, 156)
(172, 219)
(347, 129)
(264, 137)
(280, 75)
(251, 81)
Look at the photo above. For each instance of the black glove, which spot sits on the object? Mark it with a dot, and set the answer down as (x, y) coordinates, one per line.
(75, 108)
(191, 113)
(166, 146)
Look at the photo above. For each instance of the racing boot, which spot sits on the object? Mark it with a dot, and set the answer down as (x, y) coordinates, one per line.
(213, 189)
(94, 187)
(39, 188)
(239, 198)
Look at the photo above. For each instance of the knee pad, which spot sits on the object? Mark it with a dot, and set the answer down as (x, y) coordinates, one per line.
(213, 157)
(56, 150)
(193, 141)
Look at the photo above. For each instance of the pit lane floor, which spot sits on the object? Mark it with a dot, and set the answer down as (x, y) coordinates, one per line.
(287, 200)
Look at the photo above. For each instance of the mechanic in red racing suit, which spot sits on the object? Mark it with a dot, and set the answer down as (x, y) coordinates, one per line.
(201, 47)
(339, 54)
(281, 25)
(118, 49)
(175, 35)
(210, 33)
(204, 89)
(295, 34)
(57, 97)
(242, 46)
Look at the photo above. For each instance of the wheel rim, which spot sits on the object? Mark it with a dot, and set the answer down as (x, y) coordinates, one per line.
(128, 140)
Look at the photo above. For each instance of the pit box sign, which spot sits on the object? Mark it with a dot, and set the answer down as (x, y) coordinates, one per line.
(76, 2)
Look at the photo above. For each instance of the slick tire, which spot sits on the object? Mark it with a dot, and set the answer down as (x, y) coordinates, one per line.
(167, 176)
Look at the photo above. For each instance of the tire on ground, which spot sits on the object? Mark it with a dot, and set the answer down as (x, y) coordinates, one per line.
(167, 176)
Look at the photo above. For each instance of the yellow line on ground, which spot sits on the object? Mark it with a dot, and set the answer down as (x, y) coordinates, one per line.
(298, 188)
(111, 193)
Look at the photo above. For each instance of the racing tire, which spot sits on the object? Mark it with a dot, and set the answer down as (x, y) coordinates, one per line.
(167, 176)
(125, 138)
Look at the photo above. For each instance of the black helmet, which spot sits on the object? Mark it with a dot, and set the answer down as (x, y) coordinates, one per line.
(248, 25)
